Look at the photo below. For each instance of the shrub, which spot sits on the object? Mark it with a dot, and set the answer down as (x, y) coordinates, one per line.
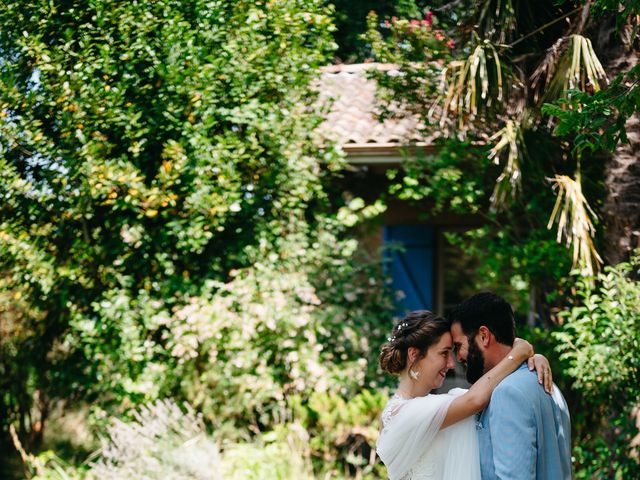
(161, 441)
(600, 340)
(344, 433)
(146, 148)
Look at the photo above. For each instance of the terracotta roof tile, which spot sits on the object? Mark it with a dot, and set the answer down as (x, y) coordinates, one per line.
(352, 119)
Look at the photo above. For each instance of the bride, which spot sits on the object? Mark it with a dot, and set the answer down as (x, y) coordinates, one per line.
(432, 436)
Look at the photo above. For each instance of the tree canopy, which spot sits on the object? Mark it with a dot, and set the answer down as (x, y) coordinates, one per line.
(164, 205)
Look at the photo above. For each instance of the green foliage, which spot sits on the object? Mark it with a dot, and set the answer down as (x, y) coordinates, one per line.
(453, 179)
(601, 337)
(520, 255)
(281, 454)
(167, 232)
(496, 158)
(622, 10)
(345, 429)
(419, 48)
(520, 269)
(269, 334)
(165, 225)
(600, 340)
(162, 440)
(350, 19)
(598, 120)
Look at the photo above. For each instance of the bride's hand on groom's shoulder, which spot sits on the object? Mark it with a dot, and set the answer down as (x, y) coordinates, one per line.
(540, 364)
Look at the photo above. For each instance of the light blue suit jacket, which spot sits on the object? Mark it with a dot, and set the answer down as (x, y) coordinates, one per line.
(525, 433)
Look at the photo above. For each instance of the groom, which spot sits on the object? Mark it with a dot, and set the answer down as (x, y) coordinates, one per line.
(524, 433)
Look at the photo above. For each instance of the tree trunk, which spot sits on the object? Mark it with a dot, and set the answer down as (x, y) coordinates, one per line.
(622, 172)
(622, 205)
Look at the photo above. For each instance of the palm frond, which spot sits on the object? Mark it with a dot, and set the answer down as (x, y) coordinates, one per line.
(573, 215)
(545, 71)
(472, 84)
(569, 64)
(497, 19)
(509, 142)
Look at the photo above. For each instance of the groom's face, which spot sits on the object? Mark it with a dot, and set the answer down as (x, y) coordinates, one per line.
(468, 353)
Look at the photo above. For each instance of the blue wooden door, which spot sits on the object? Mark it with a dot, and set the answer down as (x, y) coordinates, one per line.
(412, 265)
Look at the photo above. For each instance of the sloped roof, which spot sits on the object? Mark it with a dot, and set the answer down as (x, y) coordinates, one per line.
(352, 120)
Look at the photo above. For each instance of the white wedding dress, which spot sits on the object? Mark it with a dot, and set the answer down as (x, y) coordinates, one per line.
(413, 447)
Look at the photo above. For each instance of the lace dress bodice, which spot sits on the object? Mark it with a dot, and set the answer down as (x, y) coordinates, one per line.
(393, 406)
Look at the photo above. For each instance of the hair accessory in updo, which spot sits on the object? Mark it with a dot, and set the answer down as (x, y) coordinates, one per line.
(398, 328)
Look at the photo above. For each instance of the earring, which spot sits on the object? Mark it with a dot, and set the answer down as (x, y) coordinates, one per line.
(413, 374)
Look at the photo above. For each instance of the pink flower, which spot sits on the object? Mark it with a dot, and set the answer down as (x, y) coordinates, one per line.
(451, 43)
(439, 35)
(394, 19)
(415, 23)
(428, 18)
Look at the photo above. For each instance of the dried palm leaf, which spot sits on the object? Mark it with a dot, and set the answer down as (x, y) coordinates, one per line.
(547, 67)
(569, 64)
(573, 214)
(471, 84)
(509, 142)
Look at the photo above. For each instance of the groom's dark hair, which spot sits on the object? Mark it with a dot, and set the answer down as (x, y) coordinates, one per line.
(486, 309)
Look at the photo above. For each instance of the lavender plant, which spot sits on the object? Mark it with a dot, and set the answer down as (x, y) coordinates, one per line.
(161, 441)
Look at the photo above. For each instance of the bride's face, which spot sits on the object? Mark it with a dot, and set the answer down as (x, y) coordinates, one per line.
(436, 363)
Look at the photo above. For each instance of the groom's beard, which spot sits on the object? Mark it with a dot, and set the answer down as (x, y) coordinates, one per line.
(475, 362)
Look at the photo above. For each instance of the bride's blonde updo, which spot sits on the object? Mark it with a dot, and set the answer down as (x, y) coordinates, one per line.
(419, 329)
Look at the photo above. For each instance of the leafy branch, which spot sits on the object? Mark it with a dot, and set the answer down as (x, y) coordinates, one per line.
(598, 120)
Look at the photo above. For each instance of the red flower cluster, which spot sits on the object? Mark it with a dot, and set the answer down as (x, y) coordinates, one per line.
(427, 23)
(428, 19)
